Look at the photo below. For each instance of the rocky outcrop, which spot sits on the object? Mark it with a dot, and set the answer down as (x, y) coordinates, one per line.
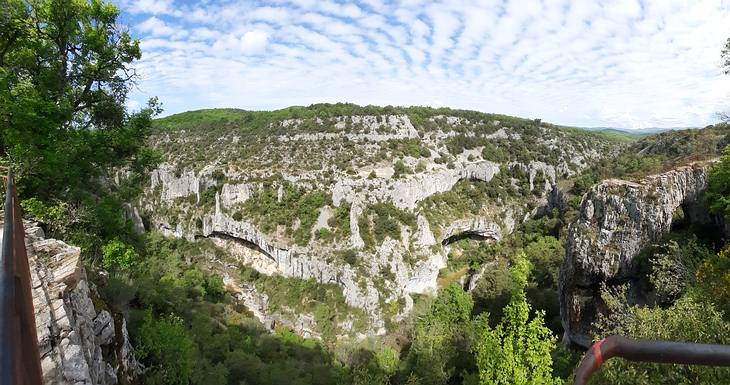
(376, 128)
(617, 219)
(255, 249)
(77, 344)
(476, 228)
(131, 213)
(406, 193)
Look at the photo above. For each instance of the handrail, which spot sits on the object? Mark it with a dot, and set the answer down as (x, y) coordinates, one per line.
(666, 352)
(19, 355)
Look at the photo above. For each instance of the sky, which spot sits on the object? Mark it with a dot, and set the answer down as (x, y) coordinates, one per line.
(624, 63)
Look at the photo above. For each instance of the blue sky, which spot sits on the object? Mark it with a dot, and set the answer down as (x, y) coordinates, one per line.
(627, 63)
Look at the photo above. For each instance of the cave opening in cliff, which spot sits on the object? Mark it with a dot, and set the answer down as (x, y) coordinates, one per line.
(694, 217)
(465, 235)
(243, 242)
(679, 219)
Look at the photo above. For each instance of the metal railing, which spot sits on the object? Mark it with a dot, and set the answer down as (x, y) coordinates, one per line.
(665, 352)
(19, 356)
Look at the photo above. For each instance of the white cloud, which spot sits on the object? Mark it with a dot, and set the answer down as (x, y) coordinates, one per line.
(155, 27)
(154, 7)
(254, 42)
(629, 63)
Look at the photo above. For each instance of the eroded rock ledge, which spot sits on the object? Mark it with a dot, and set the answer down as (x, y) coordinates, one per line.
(617, 219)
(77, 344)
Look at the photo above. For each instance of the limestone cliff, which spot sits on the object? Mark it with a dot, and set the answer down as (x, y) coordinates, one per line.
(617, 219)
(78, 343)
(382, 170)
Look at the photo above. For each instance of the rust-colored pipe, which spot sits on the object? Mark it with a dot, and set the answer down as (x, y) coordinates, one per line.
(665, 352)
(19, 355)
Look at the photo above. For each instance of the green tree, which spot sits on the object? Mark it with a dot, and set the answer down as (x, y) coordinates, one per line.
(117, 254)
(518, 351)
(726, 57)
(167, 349)
(718, 186)
(65, 70)
(440, 339)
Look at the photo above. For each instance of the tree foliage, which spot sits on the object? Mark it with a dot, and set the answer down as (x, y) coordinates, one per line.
(165, 342)
(518, 351)
(688, 320)
(117, 254)
(65, 70)
(726, 57)
(441, 339)
(718, 186)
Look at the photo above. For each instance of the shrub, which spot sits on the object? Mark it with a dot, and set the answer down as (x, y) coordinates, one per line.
(425, 152)
(688, 320)
(718, 186)
(399, 169)
(167, 348)
(214, 287)
(52, 215)
(117, 254)
(350, 257)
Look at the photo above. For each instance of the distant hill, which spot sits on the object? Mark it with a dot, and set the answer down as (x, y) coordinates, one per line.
(636, 131)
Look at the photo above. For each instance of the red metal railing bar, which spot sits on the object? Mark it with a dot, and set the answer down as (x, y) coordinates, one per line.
(19, 354)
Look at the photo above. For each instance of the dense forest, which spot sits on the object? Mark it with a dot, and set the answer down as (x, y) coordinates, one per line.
(65, 73)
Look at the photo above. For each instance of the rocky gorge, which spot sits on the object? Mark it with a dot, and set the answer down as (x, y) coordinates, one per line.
(211, 200)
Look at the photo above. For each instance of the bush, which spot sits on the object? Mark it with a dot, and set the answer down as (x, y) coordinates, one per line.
(718, 186)
(118, 255)
(214, 287)
(399, 169)
(424, 152)
(350, 257)
(166, 347)
(688, 320)
(54, 216)
(324, 234)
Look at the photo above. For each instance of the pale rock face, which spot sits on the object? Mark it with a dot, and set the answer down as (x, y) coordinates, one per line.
(355, 238)
(324, 215)
(533, 169)
(257, 304)
(424, 236)
(289, 262)
(406, 193)
(474, 227)
(617, 219)
(233, 194)
(256, 250)
(70, 331)
(397, 127)
(175, 187)
(499, 134)
(243, 240)
(131, 213)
